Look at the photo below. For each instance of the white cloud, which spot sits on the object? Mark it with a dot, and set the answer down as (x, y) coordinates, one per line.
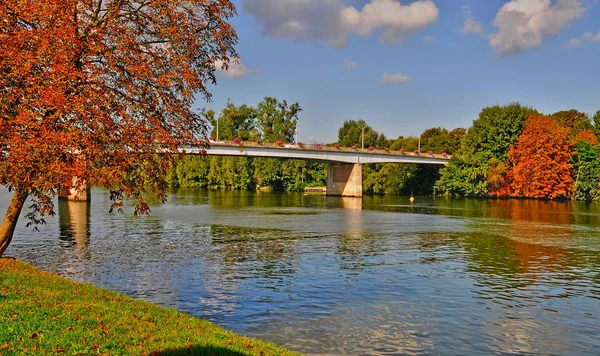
(471, 26)
(394, 78)
(429, 39)
(574, 42)
(333, 22)
(349, 64)
(523, 24)
(590, 36)
(236, 69)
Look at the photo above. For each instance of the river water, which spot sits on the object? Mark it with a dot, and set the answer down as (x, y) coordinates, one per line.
(341, 276)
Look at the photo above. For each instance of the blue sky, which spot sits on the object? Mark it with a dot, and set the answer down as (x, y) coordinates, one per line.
(445, 60)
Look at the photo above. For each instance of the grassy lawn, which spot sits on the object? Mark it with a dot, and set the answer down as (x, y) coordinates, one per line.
(41, 313)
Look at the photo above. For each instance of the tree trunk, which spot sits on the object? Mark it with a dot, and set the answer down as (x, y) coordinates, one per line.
(7, 228)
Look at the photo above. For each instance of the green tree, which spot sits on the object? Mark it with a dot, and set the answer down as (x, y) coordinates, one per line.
(435, 139)
(496, 130)
(409, 143)
(233, 121)
(276, 120)
(382, 142)
(399, 179)
(485, 145)
(192, 171)
(465, 175)
(573, 120)
(587, 181)
(596, 122)
(351, 133)
(586, 165)
(455, 138)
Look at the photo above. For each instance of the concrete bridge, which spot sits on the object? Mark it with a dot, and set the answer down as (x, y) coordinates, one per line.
(344, 174)
(324, 154)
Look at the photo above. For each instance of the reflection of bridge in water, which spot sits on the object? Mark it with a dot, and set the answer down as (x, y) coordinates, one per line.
(344, 174)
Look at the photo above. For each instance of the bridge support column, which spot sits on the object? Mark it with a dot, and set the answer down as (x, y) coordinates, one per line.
(80, 192)
(344, 180)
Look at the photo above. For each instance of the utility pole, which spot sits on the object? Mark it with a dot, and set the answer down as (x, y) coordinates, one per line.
(363, 138)
(419, 143)
(217, 129)
(297, 133)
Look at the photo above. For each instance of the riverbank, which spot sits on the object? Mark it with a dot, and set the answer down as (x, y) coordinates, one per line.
(43, 312)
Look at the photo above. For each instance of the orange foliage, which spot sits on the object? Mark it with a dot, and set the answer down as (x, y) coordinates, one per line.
(499, 180)
(540, 167)
(94, 89)
(586, 135)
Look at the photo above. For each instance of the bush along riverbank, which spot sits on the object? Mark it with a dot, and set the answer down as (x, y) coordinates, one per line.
(42, 313)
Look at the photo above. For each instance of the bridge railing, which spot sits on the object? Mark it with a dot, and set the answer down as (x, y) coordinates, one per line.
(318, 147)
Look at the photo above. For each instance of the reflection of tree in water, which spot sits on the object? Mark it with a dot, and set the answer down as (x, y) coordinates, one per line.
(244, 199)
(527, 248)
(355, 248)
(524, 259)
(267, 252)
(432, 247)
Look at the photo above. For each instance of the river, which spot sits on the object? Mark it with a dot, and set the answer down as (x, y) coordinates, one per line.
(341, 276)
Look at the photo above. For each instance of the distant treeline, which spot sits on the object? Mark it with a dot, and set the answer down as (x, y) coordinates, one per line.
(273, 120)
(509, 150)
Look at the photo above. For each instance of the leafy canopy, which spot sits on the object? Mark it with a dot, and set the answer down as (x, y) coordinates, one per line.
(351, 133)
(233, 121)
(573, 120)
(496, 130)
(93, 89)
(540, 160)
(483, 151)
(276, 120)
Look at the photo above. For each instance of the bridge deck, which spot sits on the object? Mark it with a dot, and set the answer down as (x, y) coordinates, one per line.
(319, 153)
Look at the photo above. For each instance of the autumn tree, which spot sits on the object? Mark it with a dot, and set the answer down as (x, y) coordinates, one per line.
(102, 90)
(540, 160)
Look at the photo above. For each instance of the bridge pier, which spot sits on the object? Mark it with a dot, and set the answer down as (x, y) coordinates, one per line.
(344, 180)
(80, 192)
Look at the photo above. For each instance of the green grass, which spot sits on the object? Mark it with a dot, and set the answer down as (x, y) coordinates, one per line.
(41, 313)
